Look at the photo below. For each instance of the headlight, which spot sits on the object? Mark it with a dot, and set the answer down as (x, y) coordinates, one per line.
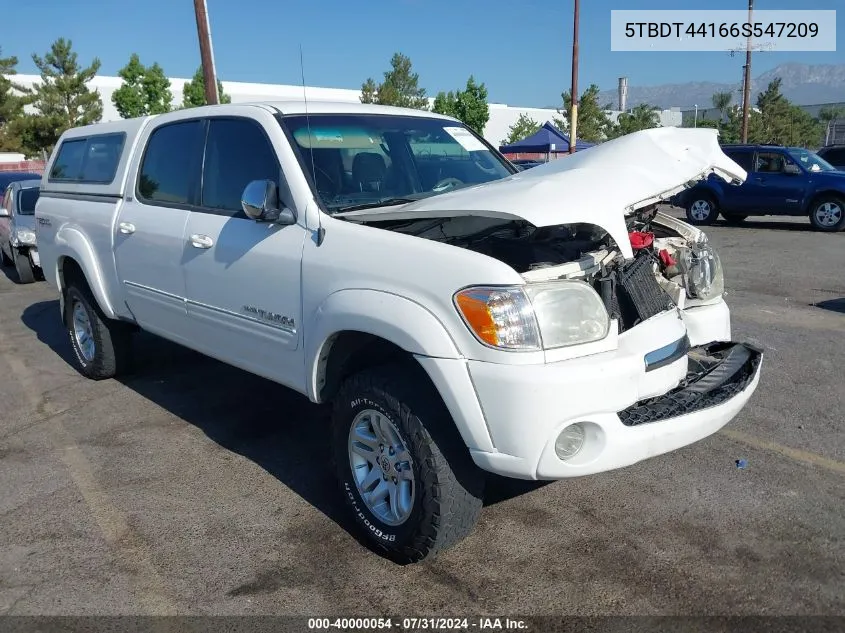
(702, 270)
(568, 313)
(25, 236)
(536, 316)
(499, 317)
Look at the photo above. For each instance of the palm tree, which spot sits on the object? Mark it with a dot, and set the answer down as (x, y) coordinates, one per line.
(722, 101)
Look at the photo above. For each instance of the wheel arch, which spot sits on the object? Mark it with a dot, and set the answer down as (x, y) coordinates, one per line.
(822, 193)
(76, 261)
(387, 326)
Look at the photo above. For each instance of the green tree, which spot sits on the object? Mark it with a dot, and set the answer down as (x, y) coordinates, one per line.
(193, 92)
(641, 117)
(524, 127)
(468, 105)
(145, 90)
(782, 122)
(831, 113)
(722, 101)
(13, 97)
(62, 99)
(399, 88)
(593, 122)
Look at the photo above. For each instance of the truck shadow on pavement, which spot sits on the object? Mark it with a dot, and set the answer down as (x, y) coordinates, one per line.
(278, 429)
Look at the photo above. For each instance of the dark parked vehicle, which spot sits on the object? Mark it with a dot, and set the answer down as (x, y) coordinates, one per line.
(835, 155)
(8, 177)
(781, 181)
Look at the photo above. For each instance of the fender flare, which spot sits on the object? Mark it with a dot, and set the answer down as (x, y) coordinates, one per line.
(818, 193)
(71, 243)
(396, 319)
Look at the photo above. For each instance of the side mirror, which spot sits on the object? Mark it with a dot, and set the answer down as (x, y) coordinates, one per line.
(791, 169)
(260, 202)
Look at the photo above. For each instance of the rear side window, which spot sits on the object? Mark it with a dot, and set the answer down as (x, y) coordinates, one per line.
(743, 159)
(93, 159)
(236, 152)
(170, 164)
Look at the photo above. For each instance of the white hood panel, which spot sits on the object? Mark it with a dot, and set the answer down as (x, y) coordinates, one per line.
(597, 186)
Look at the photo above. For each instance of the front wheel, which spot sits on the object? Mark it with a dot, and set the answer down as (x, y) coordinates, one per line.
(102, 346)
(702, 210)
(26, 273)
(828, 214)
(404, 471)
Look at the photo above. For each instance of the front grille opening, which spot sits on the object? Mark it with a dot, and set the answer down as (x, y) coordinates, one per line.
(631, 294)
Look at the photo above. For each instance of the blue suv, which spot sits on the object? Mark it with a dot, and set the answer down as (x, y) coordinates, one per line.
(781, 181)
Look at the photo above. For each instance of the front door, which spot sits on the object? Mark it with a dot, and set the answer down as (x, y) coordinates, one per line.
(149, 235)
(243, 277)
(773, 189)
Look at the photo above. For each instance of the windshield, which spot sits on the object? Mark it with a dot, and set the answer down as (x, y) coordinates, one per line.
(27, 200)
(810, 160)
(370, 159)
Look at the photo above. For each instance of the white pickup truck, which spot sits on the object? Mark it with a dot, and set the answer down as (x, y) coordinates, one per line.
(461, 316)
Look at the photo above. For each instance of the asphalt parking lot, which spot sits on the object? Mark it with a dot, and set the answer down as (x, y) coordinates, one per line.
(193, 487)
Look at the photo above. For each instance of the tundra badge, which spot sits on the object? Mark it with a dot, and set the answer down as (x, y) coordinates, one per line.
(271, 317)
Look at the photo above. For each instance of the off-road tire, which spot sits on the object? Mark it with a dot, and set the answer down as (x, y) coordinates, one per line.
(734, 218)
(702, 198)
(449, 487)
(26, 274)
(112, 339)
(817, 204)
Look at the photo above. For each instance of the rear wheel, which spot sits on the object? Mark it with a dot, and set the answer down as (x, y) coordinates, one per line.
(102, 346)
(827, 213)
(26, 274)
(404, 471)
(702, 209)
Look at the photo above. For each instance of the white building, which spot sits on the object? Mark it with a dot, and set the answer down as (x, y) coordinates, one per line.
(502, 116)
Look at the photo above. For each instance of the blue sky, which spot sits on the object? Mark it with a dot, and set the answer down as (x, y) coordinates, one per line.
(519, 48)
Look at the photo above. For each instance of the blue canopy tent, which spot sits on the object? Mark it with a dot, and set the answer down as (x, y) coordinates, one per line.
(547, 140)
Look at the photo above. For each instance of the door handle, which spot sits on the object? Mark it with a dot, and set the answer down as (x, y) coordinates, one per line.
(127, 228)
(201, 241)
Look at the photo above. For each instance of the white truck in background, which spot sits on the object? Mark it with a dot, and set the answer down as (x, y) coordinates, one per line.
(461, 316)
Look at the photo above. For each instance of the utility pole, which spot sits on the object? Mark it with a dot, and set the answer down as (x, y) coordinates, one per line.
(573, 111)
(746, 82)
(206, 53)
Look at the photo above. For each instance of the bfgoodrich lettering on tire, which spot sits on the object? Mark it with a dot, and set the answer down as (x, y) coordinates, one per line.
(101, 346)
(404, 471)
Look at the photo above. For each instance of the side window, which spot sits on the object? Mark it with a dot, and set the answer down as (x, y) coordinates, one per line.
(743, 159)
(68, 163)
(236, 153)
(93, 159)
(170, 164)
(772, 162)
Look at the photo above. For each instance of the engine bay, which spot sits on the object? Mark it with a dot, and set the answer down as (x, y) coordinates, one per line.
(655, 280)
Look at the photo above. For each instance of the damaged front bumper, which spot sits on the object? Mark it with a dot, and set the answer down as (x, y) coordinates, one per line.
(625, 417)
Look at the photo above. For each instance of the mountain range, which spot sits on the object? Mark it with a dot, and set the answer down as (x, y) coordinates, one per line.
(801, 83)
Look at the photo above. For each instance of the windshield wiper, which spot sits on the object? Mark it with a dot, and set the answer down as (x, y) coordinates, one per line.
(387, 202)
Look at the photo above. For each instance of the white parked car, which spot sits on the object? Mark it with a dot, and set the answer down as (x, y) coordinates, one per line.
(460, 316)
(18, 245)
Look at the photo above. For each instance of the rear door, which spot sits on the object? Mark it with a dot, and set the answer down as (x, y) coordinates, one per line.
(243, 277)
(149, 236)
(736, 197)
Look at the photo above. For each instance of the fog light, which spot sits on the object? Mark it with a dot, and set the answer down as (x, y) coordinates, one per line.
(570, 441)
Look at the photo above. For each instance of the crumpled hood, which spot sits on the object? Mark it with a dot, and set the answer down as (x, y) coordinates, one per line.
(599, 185)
